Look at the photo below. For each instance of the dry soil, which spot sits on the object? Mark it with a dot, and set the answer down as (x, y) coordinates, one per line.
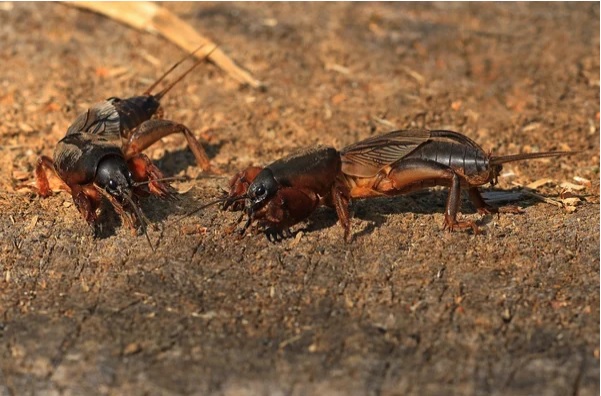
(406, 308)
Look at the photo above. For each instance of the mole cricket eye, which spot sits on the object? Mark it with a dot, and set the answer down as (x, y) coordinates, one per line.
(112, 184)
(260, 190)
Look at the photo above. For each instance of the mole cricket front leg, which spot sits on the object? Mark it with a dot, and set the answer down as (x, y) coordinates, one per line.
(87, 200)
(143, 170)
(289, 207)
(239, 186)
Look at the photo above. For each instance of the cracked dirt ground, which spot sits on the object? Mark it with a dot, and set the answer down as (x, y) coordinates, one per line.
(406, 308)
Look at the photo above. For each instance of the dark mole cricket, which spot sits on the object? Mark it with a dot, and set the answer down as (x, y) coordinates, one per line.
(288, 190)
(101, 154)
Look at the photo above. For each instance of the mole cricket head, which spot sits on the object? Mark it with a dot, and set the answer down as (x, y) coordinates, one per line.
(263, 187)
(113, 176)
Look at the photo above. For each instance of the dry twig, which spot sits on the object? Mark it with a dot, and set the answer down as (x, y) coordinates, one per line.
(153, 18)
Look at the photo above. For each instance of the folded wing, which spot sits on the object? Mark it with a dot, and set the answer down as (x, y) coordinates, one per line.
(367, 157)
(102, 119)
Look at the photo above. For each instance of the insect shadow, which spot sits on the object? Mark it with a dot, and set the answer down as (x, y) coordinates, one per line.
(421, 202)
(155, 209)
(173, 162)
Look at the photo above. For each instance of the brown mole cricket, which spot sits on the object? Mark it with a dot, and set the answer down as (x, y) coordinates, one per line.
(288, 190)
(101, 153)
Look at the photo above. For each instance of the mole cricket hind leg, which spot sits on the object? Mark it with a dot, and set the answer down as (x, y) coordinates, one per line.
(452, 207)
(45, 165)
(405, 174)
(483, 208)
(144, 170)
(151, 131)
